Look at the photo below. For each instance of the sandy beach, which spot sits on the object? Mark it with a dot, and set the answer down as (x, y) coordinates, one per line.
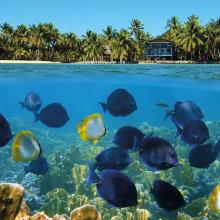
(26, 62)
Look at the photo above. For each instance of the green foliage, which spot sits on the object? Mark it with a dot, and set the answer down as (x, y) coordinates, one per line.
(191, 41)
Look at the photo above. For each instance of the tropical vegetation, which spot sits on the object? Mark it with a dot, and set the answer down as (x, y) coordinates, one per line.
(43, 41)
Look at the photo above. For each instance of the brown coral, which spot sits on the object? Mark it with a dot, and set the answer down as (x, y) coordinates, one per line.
(10, 200)
(86, 212)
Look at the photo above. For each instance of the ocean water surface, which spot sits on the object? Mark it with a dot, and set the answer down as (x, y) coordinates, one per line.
(80, 88)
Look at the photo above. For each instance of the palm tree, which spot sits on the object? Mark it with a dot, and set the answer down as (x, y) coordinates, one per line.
(136, 27)
(192, 37)
(93, 46)
(37, 41)
(120, 45)
(6, 35)
(109, 33)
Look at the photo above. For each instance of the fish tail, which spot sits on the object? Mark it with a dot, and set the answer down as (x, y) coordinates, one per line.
(217, 146)
(168, 113)
(92, 176)
(22, 105)
(104, 106)
(26, 169)
(36, 116)
(135, 145)
(179, 131)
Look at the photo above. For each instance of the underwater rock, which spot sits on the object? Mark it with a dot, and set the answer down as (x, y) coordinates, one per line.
(86, 212)
(11, 195)
(24, 211)
(38, 216)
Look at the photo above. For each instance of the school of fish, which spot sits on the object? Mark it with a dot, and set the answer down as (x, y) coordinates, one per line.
(105, 171)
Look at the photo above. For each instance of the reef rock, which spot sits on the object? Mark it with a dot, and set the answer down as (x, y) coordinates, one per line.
(86, 212)
(23, 211)
(60, 217)
(38, 216)
(10, 200)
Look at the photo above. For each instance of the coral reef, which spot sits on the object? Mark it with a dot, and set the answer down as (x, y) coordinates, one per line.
(10, 200)
(63, 188)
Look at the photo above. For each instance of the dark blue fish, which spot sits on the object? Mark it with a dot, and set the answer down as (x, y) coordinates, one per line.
(112, 158)
(53, 115)
(114, 187)
(183, 112)
(193, 132)
(157, 153)
(32, 102)
(120, 103)
(5, 131)
(39, 166)
(203, 155)
(128, 138)
(167, 196)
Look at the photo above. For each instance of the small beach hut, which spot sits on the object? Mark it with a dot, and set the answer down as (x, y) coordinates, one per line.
(159, 48)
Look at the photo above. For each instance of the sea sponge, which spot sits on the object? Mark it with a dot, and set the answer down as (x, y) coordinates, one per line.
(86, 212)
(10, 200)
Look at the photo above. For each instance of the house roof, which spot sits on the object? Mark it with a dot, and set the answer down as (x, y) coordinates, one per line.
(159, 39)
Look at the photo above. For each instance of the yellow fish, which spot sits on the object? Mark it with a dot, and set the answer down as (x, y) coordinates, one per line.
(91, 128)
(25, 147)
(214, 199)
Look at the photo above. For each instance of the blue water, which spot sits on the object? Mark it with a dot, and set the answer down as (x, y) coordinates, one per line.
(80, 87)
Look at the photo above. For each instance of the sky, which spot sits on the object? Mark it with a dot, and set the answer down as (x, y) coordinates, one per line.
(81, 15)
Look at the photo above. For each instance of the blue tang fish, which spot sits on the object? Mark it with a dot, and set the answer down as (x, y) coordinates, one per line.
(128, 138)
(112, 158)
(114, 187)
(183, 112)
(32, 102)
(157, 153)
(193, 132)
(120, 103)
(167, 196)
(202, 156)
(39, 166)
(53, 115)
(5, 131)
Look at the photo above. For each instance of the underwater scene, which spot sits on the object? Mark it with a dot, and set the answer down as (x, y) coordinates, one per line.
(111, 142)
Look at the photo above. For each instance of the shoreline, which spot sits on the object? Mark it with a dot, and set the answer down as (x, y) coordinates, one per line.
(27, 62)
(107, 63)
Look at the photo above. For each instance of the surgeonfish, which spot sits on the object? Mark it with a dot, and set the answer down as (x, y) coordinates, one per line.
(32, 102)
(25, 147)
(39, 166)
(53, 115)
(128, 137)
(183, 111)
(114, 187)
(193, 132)
(91, 128)
(120, 103)
(5, 131)
(167, 196)
(157, 153)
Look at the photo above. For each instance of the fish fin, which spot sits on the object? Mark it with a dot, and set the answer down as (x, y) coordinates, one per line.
(26, 169)
(168, 114)
(217, 147)
(135, 145)
(95, 142)
(151, 189)
(92, 178)
(104, 106)
(179, 131)
(36, 116)
(22, 105)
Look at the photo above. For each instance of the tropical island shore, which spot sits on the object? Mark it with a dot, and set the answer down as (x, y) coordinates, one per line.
(26, 62)
(182, 42)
